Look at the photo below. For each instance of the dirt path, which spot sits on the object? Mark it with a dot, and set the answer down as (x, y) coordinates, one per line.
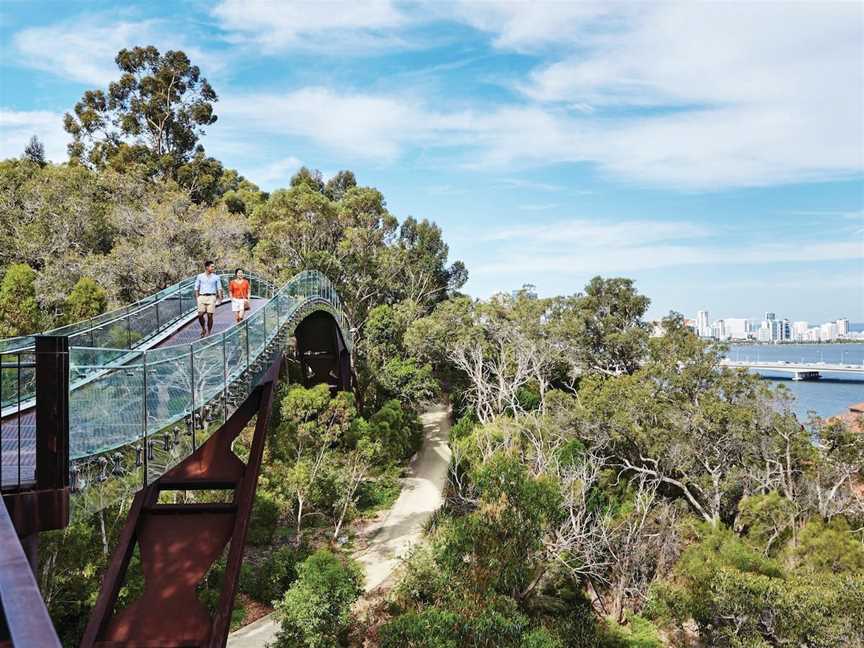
(402, 527)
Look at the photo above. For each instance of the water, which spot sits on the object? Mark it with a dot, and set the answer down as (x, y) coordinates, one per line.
(832, 394)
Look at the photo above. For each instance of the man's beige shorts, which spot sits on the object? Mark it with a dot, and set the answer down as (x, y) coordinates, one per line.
(206, 304)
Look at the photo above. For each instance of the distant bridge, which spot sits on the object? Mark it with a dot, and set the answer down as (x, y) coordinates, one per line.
(799, 370)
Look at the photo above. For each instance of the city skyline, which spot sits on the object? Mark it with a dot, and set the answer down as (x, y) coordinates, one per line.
(772, 328)
(586, 139)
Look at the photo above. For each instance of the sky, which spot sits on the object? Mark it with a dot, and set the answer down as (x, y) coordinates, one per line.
(713, 152)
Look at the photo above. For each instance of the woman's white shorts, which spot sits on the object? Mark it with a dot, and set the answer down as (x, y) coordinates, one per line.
(238, 305)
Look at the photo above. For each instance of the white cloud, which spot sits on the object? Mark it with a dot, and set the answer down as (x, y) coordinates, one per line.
(355, 124)
(526, 26)
(84, 49)
(519, 183)
(749, 94)
(312, 25)
(18, 126)
(275, 174)
(739, 146)
(633, 258)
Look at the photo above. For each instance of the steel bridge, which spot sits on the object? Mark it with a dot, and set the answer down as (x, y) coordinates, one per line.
(799, 370)
(133, 404)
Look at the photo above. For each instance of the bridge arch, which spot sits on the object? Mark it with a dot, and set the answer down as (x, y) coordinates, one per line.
(321, 351)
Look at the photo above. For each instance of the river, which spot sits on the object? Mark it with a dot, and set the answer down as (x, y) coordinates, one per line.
(831, 394)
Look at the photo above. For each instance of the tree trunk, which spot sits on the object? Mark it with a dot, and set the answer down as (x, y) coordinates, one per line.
(299, 520)
(104, 535)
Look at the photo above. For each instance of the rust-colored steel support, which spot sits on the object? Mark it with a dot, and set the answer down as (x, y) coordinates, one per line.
(179, 542)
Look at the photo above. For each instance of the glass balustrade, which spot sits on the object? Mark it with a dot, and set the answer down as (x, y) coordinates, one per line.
(135, 413)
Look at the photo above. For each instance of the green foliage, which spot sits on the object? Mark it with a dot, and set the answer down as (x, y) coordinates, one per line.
(266, 511)
(398, 429)
(497, 622)
(405, 381)
(606, 326)
(463, 428)
(829, 548)
(493, 548)
(86, 300)
(151, 117)
(638, 632)
(316, 609)
(379, 492)
(19, 311)
(738, 597)
(431, 628)
(276, 573)
(767, 520)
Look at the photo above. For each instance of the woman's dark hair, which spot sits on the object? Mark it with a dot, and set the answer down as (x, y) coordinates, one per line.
(236, 271)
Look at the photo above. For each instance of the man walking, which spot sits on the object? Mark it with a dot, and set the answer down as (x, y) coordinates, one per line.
(208, 293)
(238, 289)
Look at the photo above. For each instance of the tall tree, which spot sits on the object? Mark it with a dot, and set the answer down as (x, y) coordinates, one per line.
(35, 151)
(153, 115)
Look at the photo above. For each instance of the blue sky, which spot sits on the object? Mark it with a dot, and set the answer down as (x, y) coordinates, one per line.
(712, 151)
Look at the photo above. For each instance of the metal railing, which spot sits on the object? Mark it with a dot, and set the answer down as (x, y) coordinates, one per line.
(135, 414)
(135, 410)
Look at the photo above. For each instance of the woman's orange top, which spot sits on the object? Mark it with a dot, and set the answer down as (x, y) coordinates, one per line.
(238, 288)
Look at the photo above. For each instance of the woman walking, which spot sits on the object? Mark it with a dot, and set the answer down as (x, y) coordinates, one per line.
(238, 288)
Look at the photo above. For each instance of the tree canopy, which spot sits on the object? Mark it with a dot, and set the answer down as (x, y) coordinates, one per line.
(152, 116)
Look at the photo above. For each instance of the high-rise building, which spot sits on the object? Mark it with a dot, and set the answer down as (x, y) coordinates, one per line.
(842, 327)
(718, 330)
(770, 316)
(785, 331)
(828, 331)
(799, 330)
(703, 328)
(737, 328)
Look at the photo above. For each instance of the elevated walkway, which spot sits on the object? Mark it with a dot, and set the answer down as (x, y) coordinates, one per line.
(135, 402)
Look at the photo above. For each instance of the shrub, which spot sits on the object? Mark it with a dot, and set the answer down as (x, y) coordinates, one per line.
(637, 633)
(399, 431)
(277, 573)
(463, 427)
(829, 547)
(87, 299)
(499, 624)
(431, 628)
(19, 311)
(316, 609)
(265, 516)
(380, 492)
(404, 380)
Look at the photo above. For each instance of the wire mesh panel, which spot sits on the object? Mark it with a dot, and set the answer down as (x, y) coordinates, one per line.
(106, 404)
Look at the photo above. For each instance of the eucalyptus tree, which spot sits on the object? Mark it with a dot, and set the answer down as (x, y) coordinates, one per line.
(152, 116)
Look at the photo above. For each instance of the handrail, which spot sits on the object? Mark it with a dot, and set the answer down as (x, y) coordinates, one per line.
(125, 329)
(126, 402)
(25, 342)
(146, 409)
(26, 617)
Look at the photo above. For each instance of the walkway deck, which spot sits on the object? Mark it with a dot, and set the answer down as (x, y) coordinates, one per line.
(18, 431)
